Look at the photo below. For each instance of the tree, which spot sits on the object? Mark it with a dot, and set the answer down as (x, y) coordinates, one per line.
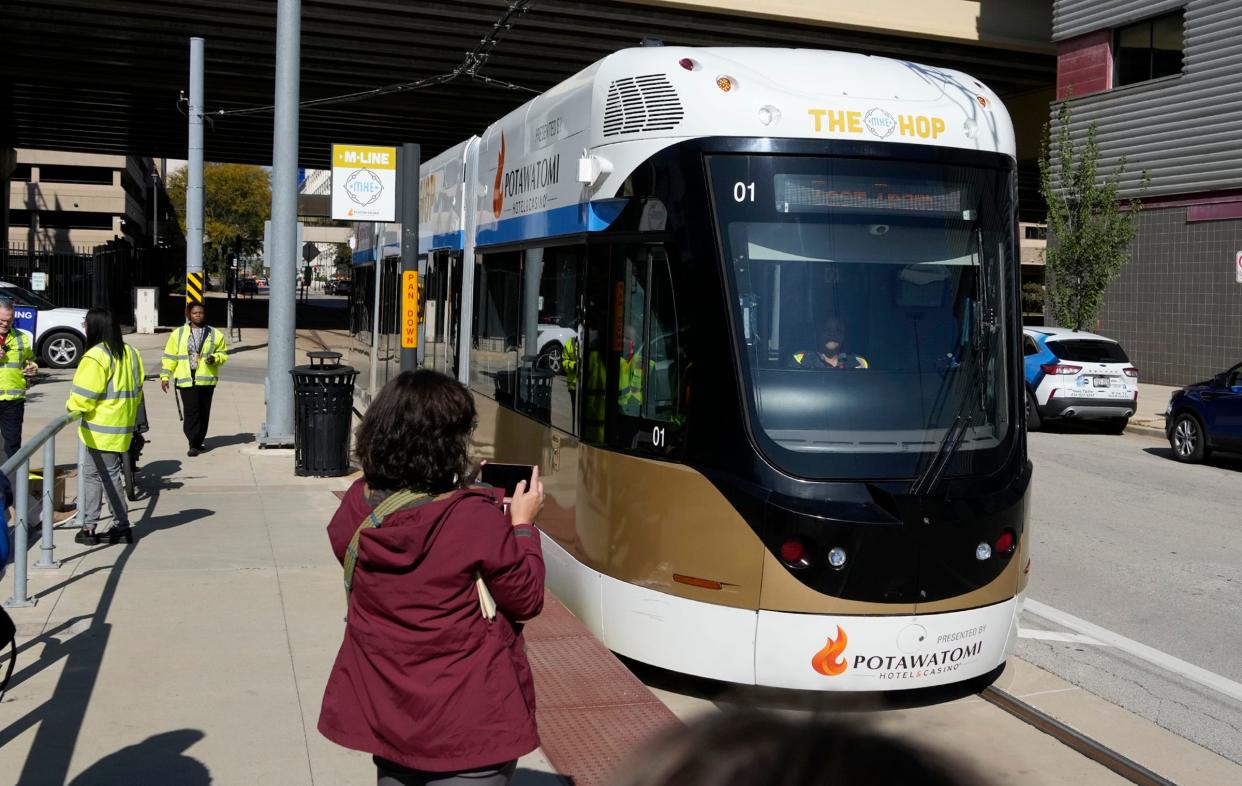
(237, 199)
(1091, 230)
(342, 258)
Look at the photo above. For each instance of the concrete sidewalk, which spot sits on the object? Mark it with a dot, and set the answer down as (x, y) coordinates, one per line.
(198, 654)
(1152, 401)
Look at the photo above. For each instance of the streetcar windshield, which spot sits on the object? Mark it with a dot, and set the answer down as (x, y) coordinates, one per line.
(870, 303)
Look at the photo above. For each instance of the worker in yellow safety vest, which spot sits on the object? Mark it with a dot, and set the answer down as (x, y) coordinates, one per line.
(107, 390)
(16, 368)
(595, 395)
(569, 364)
(192, 360)
(634, 369)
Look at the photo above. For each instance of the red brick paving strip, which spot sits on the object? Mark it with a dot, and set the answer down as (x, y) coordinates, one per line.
(592, 711)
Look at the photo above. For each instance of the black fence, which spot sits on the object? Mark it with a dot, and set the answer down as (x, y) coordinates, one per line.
(103, 276)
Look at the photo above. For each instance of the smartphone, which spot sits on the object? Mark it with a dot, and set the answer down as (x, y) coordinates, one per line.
(506, 476)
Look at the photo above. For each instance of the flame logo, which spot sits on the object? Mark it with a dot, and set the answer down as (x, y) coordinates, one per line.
(828, 661)
(498, 195)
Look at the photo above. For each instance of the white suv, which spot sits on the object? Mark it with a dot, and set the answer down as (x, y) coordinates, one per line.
(58, 331)
(1072, 374)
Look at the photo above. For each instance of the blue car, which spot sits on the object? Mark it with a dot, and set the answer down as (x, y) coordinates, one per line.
(1206, 416)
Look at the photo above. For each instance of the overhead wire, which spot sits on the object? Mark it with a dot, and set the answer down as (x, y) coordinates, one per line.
(469, 67)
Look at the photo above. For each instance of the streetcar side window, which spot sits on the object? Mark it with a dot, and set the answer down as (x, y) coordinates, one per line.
(549, 371)
(494, 358)
(648, 405)
(525, 321)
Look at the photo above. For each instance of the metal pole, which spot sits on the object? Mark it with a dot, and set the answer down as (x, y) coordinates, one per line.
(281, 336)
(49, 487)
(378, 250)
(466, 314)
(155, 217)
(407, 170)
(194, 174)
(81, 482)
(21, 543)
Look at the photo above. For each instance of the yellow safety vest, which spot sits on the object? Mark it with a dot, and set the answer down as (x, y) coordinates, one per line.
(594, 402)
(176, 360)
(107, 391)
(569, 362)
(18, 351)
(630, 384)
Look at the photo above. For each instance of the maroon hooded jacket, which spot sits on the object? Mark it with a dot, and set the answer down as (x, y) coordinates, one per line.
(422, 679)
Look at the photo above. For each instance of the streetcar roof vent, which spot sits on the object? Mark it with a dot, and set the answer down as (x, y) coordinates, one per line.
(641, 103)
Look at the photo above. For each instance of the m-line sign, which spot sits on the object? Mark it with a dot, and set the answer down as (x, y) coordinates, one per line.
(364, 183)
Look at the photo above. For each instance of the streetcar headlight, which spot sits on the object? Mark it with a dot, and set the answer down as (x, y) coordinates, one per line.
(836, 557)
(769, 115)
(983, 551)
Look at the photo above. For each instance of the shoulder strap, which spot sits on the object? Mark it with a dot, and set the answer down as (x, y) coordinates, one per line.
(400, 500)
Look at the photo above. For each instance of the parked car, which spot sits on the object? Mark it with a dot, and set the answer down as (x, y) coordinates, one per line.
(1071, 374)
(248, 286)
(340, 286)
(1206, 416)
(552, 339)
(58, 333)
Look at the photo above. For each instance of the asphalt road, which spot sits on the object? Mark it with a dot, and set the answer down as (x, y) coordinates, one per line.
(1130, 540)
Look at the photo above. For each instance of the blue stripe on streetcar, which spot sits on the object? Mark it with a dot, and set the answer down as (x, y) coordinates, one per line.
(567, 220)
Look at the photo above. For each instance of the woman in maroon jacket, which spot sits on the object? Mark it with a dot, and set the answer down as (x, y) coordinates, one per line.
(424, 682)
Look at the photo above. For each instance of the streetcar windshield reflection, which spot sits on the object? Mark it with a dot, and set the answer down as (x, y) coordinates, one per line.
(867, 295)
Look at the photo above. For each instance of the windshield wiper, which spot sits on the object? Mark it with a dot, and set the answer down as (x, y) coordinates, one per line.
(981, 343)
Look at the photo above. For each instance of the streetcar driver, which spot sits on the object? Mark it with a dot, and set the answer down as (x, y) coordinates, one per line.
(829, 351)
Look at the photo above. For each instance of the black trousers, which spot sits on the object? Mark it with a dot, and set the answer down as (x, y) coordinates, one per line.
(12, 413)
(197, 403)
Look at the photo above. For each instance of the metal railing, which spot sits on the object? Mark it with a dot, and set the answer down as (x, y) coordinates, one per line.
(18, 467)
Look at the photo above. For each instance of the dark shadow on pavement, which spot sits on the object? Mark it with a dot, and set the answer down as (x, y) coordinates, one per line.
(155, 476)
(53, 650)
(1229, 461)
(246, 348)
(57, 720)
(155, 761)
(525, 777)
(233, 439)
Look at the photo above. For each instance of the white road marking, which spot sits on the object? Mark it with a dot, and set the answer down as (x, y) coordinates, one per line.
(1052, 635)
(1154, 656)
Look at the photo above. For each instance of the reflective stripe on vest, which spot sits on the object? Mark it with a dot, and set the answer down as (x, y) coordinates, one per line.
(92, 395)
(98, 429)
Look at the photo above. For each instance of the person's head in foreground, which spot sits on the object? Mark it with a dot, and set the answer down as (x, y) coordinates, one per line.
(416, 434)
(755, 748)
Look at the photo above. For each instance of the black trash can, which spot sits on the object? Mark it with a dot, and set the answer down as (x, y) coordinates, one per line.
(323, 405)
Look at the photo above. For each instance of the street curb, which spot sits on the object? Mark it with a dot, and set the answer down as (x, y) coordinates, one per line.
(1146, 431)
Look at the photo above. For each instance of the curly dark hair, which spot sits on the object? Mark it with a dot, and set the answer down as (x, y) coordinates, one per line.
(416, 434)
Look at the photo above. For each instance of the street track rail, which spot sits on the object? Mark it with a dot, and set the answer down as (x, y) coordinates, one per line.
(1097, 752)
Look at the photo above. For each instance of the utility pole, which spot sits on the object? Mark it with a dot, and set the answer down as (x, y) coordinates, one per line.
(282, 308)
(194, 285)
(407, 171)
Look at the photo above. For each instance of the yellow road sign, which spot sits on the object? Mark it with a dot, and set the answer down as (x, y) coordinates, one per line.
(409, 309)
(193, 288)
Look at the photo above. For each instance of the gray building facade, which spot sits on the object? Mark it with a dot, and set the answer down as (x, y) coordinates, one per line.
(1159, 79)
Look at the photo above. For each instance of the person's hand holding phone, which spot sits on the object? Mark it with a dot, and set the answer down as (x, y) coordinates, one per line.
(526, 502)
